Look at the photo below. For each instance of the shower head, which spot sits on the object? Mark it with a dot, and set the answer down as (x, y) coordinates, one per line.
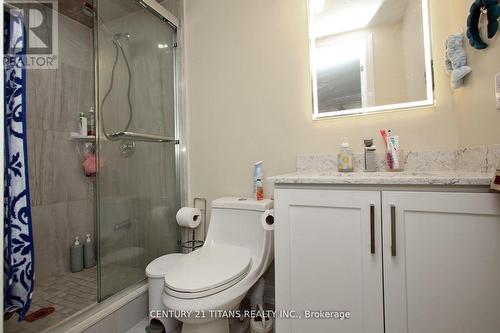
(87, 9)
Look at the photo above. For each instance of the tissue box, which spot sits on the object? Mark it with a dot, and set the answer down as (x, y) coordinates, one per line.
(495, 183)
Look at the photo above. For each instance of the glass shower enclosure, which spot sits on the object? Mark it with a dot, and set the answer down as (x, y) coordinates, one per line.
(137, 139)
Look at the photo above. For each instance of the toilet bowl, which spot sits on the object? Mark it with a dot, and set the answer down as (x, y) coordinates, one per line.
(202, 287)
(155, 272)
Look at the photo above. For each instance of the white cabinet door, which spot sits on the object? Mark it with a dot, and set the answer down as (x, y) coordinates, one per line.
(324, 259)
(442, 274)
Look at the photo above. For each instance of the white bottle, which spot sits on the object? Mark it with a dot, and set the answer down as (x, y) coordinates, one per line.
(82, 124)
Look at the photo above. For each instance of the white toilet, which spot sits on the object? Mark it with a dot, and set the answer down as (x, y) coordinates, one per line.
(155, 272)
(217, 277)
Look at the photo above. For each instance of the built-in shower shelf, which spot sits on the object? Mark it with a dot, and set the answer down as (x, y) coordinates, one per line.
(79, 137)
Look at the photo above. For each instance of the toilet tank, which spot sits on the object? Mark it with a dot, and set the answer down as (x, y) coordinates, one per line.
(237, 221)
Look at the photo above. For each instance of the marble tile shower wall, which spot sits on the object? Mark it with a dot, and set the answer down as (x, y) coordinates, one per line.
(62, 197)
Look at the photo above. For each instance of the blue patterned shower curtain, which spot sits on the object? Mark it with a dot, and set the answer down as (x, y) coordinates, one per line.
(18, 242)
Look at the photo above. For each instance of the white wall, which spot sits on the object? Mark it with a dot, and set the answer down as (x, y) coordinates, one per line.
(249, 96)
(477, 119)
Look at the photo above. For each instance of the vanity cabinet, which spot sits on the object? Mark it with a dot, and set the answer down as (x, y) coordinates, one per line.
(442, 271)
(437, 269)
(328, 256)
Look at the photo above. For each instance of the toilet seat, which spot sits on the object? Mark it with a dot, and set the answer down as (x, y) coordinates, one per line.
(207, 271)
(192, 295)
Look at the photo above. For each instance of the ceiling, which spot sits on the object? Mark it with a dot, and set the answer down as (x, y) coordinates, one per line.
(112, 9)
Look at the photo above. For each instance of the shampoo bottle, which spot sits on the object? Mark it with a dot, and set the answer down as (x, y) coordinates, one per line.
(88, 253)
(82, 124)
(258, 178)
(91, 122)
(345, 157)
(76, 256)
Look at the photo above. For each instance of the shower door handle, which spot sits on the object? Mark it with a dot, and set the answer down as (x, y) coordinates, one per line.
(142, 137)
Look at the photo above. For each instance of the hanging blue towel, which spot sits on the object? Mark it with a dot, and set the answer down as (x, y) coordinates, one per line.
(18, 252)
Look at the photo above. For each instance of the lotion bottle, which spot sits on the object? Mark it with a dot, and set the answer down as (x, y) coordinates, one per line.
(345, 157)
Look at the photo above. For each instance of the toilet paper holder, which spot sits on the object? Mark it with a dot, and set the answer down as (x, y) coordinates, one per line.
(193, 243)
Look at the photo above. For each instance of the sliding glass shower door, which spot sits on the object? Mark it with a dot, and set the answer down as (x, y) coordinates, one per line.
(137, 182)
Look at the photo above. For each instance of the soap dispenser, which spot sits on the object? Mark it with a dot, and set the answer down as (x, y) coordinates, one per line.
(345, 157)
(76, 254)
(88, 253)
(370, 163)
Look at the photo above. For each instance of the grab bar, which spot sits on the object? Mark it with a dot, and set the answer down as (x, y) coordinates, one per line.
(141, 137)
(122, 225)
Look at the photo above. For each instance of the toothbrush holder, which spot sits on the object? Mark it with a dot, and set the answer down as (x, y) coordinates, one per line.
(394, 160)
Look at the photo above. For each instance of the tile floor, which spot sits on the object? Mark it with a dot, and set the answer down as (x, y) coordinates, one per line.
(68, 293)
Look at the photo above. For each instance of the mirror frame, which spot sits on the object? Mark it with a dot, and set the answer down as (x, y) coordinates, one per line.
(429, 74)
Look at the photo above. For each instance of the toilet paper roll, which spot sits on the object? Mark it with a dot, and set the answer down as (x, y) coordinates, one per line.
(188, 217)
(268, 220)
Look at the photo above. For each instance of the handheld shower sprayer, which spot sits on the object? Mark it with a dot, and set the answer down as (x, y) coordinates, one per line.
(88, 10)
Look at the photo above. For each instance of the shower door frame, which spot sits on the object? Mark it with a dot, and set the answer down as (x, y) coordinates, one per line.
(180, 146)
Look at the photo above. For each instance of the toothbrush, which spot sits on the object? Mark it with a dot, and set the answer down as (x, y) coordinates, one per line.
(394, 144)
(390, 161)
(383, 132)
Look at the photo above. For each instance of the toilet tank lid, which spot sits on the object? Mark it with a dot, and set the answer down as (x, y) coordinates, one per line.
(243, 203)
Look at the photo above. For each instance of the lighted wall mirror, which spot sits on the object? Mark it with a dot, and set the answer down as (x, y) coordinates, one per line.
(369, 56)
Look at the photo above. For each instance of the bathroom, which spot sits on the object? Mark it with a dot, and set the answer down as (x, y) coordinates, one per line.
(187, 95)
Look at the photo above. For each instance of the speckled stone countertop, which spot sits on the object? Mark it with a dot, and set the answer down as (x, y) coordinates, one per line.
(386, 178)
(468, 166)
